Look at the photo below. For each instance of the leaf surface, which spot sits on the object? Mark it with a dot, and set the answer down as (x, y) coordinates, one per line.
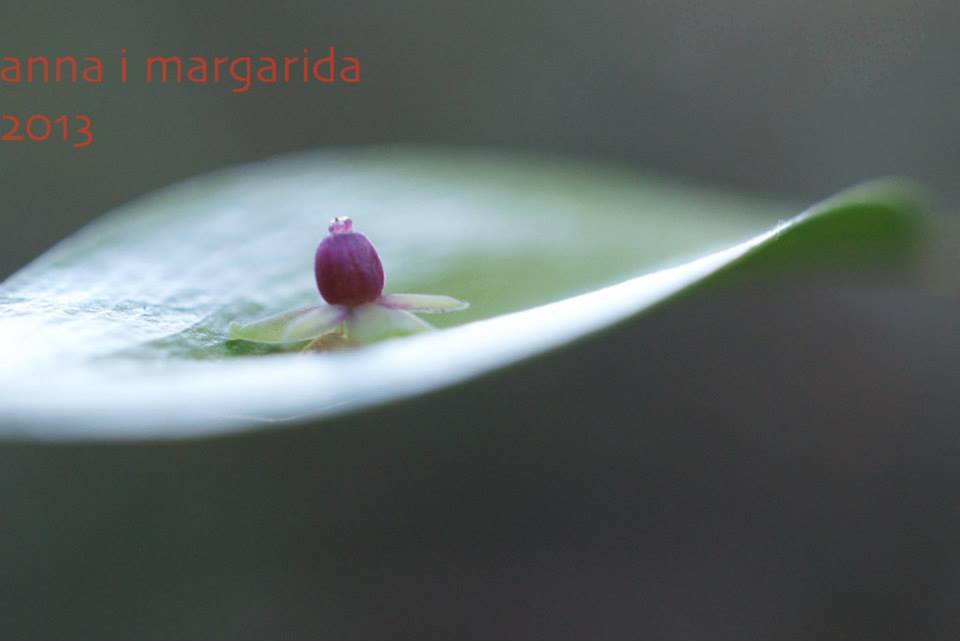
(120, 331)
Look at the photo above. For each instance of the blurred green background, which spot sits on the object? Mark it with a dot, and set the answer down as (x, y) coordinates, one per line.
(758, 462)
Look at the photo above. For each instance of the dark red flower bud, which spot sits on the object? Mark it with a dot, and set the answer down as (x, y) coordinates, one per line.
(347, 267)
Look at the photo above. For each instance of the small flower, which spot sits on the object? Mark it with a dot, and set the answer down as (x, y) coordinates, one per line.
(350, 278)
(347, 267)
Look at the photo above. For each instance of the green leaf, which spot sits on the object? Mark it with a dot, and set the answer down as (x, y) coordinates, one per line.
(290, 327)
(423, 303)
(120, 331)
(371, 323)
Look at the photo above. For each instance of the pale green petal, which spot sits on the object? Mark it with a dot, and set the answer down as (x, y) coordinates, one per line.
(372, 322)
(423, 303)
(291, 327)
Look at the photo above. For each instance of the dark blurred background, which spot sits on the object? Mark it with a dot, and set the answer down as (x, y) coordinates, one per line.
(799, 99)
(760, 462)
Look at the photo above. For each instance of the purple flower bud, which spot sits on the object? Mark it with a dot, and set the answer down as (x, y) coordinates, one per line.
(347, 267)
